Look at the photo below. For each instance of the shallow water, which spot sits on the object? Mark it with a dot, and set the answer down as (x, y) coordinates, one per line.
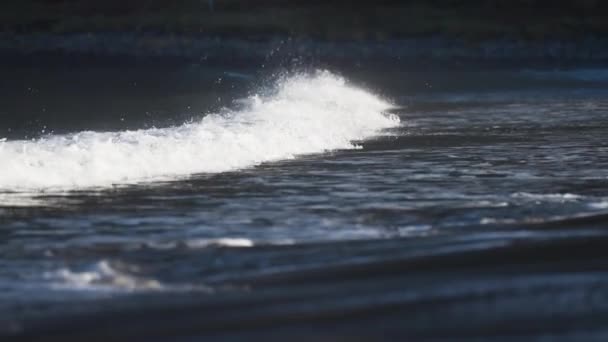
(308, 204)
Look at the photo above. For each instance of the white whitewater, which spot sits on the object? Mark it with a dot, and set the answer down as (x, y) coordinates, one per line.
(106, 276)
(306, 114)
(100, 276)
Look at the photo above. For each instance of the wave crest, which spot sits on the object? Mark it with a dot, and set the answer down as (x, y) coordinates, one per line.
(307, 114)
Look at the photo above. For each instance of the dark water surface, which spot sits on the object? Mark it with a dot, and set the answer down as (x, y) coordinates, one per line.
(482, 215)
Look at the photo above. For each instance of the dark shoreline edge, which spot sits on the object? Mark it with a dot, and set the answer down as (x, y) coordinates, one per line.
(151, 48)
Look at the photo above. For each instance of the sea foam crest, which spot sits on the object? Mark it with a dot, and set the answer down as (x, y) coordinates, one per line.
(306, 114)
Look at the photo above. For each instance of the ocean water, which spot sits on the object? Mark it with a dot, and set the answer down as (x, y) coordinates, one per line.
(182, 203)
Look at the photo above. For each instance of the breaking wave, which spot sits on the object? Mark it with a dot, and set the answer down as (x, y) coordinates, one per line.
(306, 114)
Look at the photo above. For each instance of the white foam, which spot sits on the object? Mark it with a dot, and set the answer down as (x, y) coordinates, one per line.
(113, 278)
(221, 242)
(599, 205)
(549, 197)
(101, 276)
(307, 114)
(20, 199)
(228, 242)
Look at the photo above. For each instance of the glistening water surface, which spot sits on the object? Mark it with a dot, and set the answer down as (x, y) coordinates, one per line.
(461, 204)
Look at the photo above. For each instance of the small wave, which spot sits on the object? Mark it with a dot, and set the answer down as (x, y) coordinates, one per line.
(223, 242)
(549, 197)
(599, 205)
(114, 278)
(201, 243)
(307, 114)
(101, 276)
(23, 199)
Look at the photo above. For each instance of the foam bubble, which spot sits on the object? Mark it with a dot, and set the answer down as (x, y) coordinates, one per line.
(307, 114)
